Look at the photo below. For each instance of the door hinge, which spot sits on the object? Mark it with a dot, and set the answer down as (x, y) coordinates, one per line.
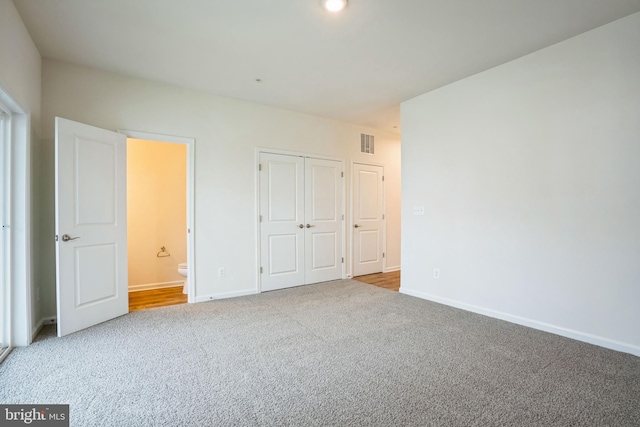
(259, 166)
(382, 254)
(260, 270)
(343, 217)
(382, 216)
(342, 174)
(343, 260)
(382, 178)
(56, 237)
(260, 218)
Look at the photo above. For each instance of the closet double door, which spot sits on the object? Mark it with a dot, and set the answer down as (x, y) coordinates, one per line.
(300, 221)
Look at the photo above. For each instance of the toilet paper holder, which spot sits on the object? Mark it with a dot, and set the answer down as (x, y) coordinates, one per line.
(163, 253)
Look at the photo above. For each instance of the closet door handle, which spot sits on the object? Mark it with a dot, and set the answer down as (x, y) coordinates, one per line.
(356, 226)
(309, 225)
(300, 225)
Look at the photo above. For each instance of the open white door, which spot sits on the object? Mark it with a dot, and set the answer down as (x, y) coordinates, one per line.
(368, 223)
(91, 226)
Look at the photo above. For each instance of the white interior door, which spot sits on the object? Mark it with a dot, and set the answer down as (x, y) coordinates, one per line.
(300, 220)
(323, 225)
(368, 222)
(282, 221)
(91, 225)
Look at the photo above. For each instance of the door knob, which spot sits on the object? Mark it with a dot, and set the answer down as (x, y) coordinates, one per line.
(66, 238)
(309, 225)
(300, 225)
(356, 226)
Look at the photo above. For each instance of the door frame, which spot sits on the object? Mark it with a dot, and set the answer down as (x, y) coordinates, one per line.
(191, 145)
(384, 214)
(19, 300)
(5, 232)
(256, 170)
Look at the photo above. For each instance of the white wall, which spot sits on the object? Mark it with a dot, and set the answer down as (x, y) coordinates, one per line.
(156, 212)
(530, 178)
(227, 132)
(20, 90)
(19, 62)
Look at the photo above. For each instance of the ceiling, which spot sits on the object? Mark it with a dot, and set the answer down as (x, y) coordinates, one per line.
(356, 66)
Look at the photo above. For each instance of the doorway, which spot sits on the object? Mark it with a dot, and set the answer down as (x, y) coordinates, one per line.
(91, 222)
(167, 294)
(156, 223)
(301, 220)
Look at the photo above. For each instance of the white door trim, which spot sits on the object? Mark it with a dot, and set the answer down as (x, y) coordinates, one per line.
(258, 151)
(20, 253)
(5, 232)
(384, 212)
(191, 156)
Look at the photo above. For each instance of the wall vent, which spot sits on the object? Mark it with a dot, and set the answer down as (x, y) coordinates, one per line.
(366, 144)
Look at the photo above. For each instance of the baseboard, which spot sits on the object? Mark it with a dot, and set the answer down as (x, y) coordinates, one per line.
(51, 320)
(225, 295)
(4, 353)
(148, 286)
(535, 324)
(390, 269)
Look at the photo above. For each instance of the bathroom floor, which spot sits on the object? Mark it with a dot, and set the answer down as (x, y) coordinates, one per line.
(142, 300)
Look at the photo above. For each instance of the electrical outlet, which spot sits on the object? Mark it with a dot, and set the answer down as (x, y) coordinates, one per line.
(418, 210)
(221, 272)
(436, 273)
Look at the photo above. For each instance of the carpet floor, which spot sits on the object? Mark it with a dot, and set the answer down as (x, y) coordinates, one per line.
(333, 354)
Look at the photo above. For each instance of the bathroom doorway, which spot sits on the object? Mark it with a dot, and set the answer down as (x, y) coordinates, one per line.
(159, 218)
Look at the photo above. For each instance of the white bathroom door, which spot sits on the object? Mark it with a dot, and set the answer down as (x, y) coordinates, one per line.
(281, 221)
(368, 223)
(323, 220)
(91, 225)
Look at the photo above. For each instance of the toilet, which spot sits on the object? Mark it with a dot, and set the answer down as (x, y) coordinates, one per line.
(182, 270)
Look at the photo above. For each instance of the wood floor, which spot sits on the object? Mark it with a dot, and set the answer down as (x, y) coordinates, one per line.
(142, 300)
(153, 298)
(383, 280)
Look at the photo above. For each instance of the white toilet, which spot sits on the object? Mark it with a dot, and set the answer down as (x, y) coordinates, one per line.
(182, 270)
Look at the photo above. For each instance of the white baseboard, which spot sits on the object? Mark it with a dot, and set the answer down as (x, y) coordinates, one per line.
(390, 269)
(51, 320)
(5, 352)
(225, 295)
(148, 286)
(535, 324)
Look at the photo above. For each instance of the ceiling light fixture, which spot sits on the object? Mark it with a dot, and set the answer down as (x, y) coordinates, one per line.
(334, 5)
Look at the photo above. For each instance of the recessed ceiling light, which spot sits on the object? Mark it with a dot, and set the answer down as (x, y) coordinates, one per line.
(334, 5)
